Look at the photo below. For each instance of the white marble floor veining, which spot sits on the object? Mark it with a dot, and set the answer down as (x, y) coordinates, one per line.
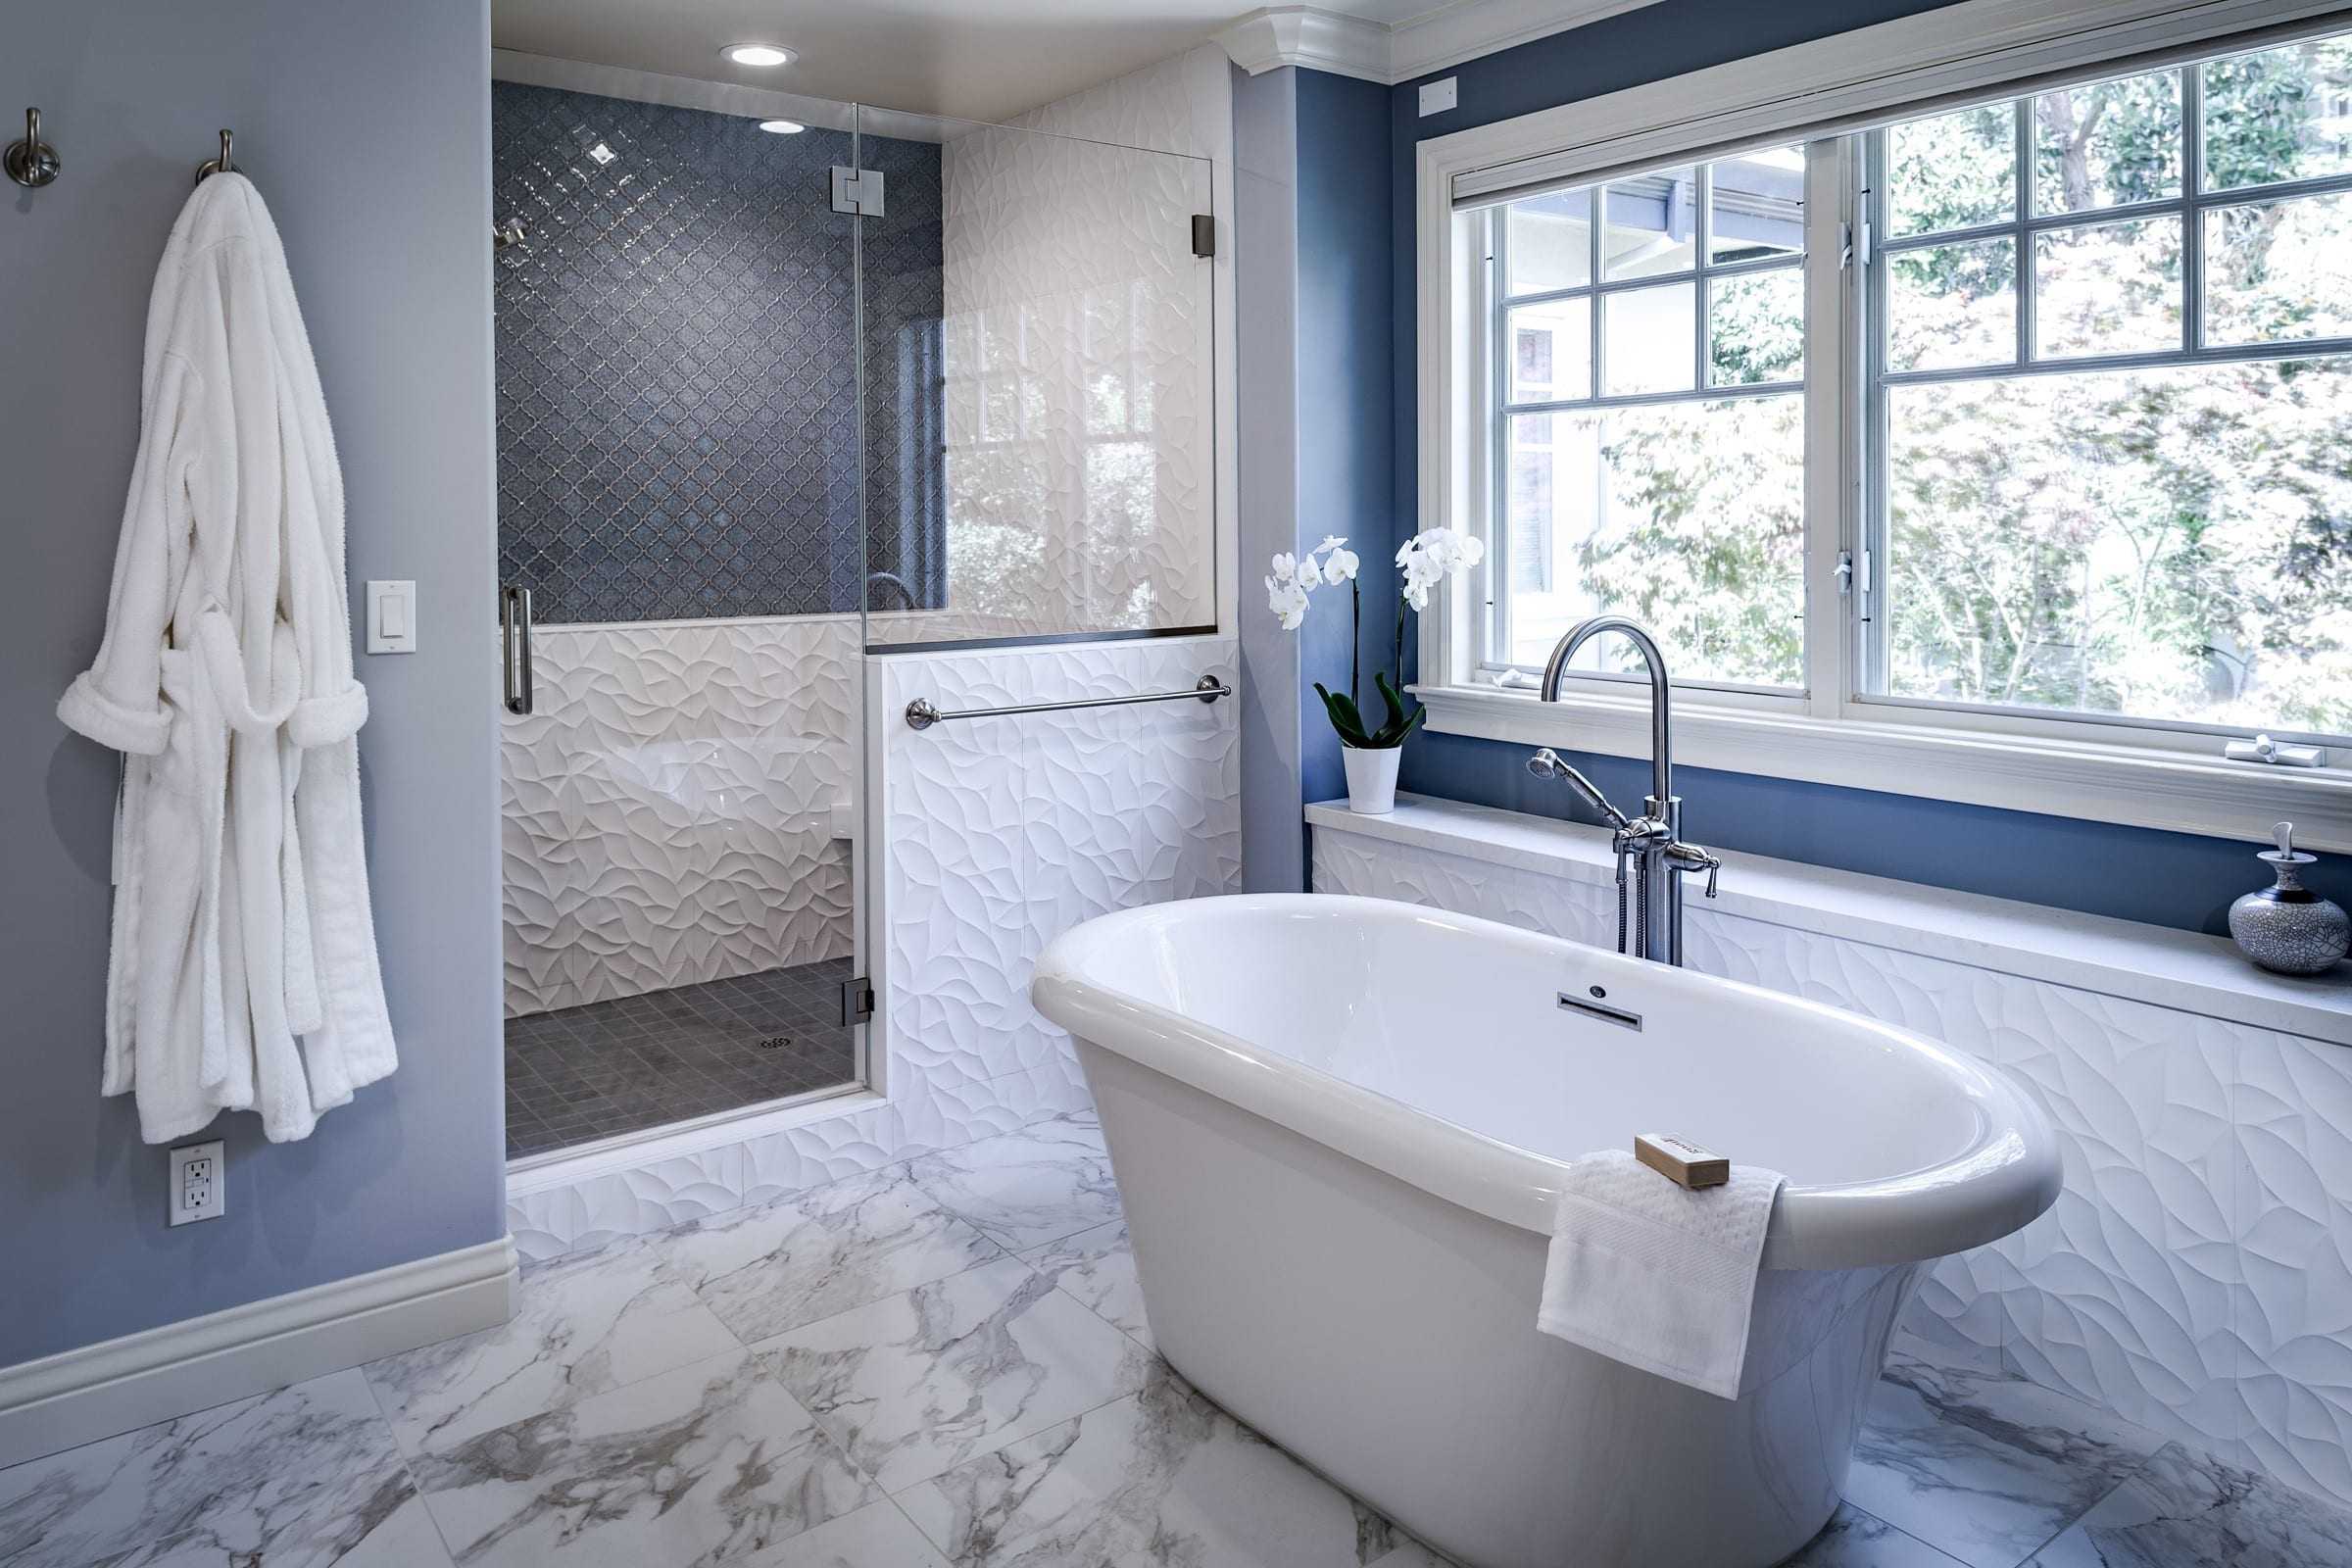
(945, 1365)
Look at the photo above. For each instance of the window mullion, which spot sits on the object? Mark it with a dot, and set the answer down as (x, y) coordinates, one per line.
(1828, 387)
(1866, 355)
(2193, 217)
(1701, 189)
(1490, 630)
(2022, 280)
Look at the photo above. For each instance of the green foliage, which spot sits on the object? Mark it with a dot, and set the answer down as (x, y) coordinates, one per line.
(1349, 721)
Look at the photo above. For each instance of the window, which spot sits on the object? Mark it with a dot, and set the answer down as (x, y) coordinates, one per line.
(1650, 416)
(2114, 400)
(2032, 417)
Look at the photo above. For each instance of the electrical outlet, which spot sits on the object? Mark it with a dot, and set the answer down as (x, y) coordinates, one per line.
(199, 1182)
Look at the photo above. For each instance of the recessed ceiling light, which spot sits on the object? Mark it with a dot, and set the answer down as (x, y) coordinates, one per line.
(758, 54)
(783, 128)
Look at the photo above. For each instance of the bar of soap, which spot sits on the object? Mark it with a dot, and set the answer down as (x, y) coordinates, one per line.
(1681, 1160)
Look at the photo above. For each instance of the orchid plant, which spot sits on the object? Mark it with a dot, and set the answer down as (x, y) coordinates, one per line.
(1426, 560)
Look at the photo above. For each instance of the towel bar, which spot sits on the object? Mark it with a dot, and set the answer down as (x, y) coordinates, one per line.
(921, 715)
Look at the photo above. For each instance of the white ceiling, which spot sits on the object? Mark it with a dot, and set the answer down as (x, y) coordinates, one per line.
(974, 59)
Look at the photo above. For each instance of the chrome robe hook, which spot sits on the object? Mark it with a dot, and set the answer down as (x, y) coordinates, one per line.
(31, 163)
(218, 166)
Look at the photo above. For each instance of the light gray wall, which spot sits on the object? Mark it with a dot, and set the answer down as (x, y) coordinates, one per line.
(366, 129)
(1265, 287)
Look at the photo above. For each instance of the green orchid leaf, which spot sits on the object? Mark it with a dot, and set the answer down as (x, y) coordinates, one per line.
(1344, 717)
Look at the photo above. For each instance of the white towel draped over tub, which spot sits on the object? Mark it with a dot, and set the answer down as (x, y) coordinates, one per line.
(243, 973)
(1654, 1275)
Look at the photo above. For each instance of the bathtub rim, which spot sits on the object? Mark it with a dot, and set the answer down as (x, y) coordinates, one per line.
(2004, 1179)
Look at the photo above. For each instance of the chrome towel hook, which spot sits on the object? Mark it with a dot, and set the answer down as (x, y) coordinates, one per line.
(218, 166)
(31, 163)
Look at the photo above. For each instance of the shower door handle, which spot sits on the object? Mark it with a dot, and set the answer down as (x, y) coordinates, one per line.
(514, 650)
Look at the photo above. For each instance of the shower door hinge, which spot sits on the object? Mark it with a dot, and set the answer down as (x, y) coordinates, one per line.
(858, 190)
(1204, 234)
(857, 1000)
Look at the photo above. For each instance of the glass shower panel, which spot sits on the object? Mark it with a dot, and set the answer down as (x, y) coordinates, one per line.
(1039, 387)
(679, 491)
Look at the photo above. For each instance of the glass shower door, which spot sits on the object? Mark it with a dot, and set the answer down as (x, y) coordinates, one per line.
(679, 492)
(1039, 386)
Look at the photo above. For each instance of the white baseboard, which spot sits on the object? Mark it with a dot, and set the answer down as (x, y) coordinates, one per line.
(79, 1396)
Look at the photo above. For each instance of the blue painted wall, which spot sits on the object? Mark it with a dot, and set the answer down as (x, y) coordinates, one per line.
(2169, 879)
(366, 129)
(1346, 301)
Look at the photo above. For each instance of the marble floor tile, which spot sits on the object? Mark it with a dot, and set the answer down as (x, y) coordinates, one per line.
(699, 1465)
(2185, 1509)
(920, 1382)
(1985, 1468)
(877, 1535)
(584, 1324)
(1029, 1187)
(1413, 1554)
(306, 1475)
(1162, 1479)
(821, 1253)
(404, 1538)
(1097, 1267)
(1853, 1539)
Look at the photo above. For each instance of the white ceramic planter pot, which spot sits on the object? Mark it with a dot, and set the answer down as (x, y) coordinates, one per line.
(1371, 778)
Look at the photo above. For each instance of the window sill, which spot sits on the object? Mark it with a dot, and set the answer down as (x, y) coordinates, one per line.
(2177, 969)
(2174, 791)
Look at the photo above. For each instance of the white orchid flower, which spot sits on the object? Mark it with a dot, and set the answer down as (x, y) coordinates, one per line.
(1286, 569)
(1331, 541)
(1288, 601)
(1473, 550)
(1339, 566)
(1416, 594)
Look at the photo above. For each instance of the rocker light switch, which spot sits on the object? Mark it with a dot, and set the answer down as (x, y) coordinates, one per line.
(391, 618)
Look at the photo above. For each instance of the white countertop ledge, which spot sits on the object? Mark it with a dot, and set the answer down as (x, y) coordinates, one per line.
(2178, 969)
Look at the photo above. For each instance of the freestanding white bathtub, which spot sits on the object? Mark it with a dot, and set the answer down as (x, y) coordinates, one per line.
(1338, 1125)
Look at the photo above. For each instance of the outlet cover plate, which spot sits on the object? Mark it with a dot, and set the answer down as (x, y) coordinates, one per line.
(199, 1186)
(1438, 96)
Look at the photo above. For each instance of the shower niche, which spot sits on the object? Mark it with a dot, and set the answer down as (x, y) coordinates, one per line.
(752, 435)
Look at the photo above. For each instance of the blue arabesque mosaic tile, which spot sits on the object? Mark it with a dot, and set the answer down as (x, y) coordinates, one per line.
(678, 393)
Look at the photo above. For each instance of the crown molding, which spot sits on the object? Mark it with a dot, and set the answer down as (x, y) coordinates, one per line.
(1374, 51)
(1302, 35)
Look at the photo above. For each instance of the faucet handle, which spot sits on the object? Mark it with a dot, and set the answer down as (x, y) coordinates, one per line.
(1688, 857)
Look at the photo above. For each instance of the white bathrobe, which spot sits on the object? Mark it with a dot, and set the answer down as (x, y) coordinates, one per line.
(244, 972)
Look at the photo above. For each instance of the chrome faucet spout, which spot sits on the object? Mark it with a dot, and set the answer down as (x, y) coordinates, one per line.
(1661, 704)
(1651, 846)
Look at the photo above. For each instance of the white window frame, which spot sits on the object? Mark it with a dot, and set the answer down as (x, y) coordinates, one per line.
(2147, 775)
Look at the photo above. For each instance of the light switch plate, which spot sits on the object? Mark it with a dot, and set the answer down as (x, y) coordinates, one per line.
(1438, 96)
(199, 1186)
(391, 618)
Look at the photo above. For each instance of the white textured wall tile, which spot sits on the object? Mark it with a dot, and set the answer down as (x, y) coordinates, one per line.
(628, 1203)
(2195, 1274)
(2293, 1225)
(1001, 833)
(998, 835)
(670, 806)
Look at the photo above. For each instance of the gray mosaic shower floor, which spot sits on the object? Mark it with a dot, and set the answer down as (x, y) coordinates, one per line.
(580, 1074)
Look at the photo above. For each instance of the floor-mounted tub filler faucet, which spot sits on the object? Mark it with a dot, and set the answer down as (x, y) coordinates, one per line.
(1653, 841)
